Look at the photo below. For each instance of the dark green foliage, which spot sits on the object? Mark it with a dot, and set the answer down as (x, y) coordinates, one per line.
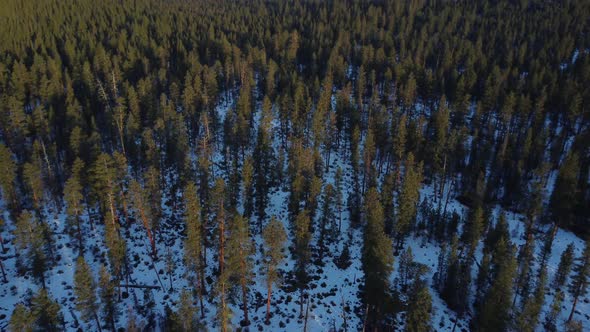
(580, 278)
(377, 259)
(21, 319)
(47, 312)
(565, 266)
(85, 290)
(32, 245)
(274, 236)
(408, 200)
(564, 197)
(108, 297)
(481, 99)
(419, 309)
(494, 314)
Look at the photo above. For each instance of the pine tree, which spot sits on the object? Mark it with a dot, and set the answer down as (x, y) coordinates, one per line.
(107, 294)
(102, 179)
(406, 261)
(141, 203)
(153, 195)
(555, 309)
(473, 230)
(31, 242)
(116, 249)
(193, 243)
(302, 252)
(494, 314)
(248, 195)
(564, 196)
(187, 313)
(524, 269)
(419, 310)
(580, 279)
(218, 203)
(339, 197)
(565, 265)
(8, 176)
(274, 236)
(326, 221)
(33, 178)
(22, 319)
(224, 312)
(399, 144)
(239, 260)
(46, 311)
(377, 259)
(457, 279)
(528, 319)
(408, 199)
(439, 146)
(85, 290)
(74, 199)
(264, 156)
(387, 199)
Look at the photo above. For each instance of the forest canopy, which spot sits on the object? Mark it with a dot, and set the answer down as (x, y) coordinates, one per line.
(187, 119)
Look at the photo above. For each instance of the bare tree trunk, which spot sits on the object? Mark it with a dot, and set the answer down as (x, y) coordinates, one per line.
(3, 272)
(306, 316)
(97, 322)
(573, 309)
(268, 303)
(221, 238)
(149, 231)
(200, 293)
(365, 319)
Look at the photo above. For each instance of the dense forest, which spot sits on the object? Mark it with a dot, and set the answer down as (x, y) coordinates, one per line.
(288, 165)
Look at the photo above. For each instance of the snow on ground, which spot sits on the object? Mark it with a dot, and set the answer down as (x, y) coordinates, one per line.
(332, 292)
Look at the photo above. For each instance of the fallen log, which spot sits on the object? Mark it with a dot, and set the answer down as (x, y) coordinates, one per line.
(139, 286)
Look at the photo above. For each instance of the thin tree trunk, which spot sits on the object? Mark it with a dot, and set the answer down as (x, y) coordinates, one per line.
(79, 226)
(149, 231)
(300, 302)
(221, 239)
(268, 296)
(200, 294)
(112, 322)
(573, 309)
(306, 316)
(97, 322)
(223, 320)
(3, 272)
(245, 302)
(365, 319)
(2, 243)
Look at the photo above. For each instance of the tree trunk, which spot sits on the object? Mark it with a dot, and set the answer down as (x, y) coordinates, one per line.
(2, 243)
(79, 226)
(138, 286)
(112, 322)
(301, 303)
(3, 272)
(200, 294)
(221, 239)
(573, 309)
(97, 322)
(149, 231)
(306, 316)
(245, 302)
(223, 322)
(268, 303)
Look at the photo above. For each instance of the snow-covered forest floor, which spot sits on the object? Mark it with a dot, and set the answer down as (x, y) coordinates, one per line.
(333, 293)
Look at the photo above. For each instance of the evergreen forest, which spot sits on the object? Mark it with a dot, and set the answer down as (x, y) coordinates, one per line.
(295, 165)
